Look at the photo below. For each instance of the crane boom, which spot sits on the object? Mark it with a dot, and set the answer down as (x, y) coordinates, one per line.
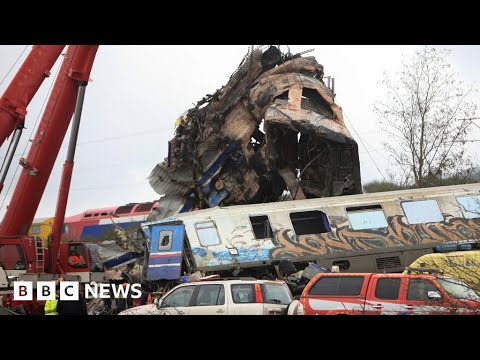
(17, 96)
(48, 139)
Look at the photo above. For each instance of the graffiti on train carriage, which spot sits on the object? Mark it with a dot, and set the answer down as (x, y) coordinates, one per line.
(398, 233)
(362, 233)
(285, 245)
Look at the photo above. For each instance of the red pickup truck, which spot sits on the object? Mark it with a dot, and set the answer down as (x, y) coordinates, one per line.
(387, 294)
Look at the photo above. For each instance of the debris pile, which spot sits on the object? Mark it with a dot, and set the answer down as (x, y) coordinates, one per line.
(272, 132)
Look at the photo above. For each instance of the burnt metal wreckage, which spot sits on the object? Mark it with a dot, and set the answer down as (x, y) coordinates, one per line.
(272, 132)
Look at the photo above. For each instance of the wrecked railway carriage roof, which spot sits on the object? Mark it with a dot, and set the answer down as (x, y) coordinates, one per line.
(273, 127)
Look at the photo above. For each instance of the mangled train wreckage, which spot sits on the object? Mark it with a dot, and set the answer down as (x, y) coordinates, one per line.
(272, 132)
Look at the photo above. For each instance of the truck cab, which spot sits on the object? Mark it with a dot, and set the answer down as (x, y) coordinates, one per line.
(387, 294)
(27, 259)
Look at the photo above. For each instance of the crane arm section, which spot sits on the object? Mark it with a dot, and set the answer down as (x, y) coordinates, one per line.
(48, 139)
(17, 96)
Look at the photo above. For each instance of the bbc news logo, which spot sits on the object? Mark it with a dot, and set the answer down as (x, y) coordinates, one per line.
(69, 290)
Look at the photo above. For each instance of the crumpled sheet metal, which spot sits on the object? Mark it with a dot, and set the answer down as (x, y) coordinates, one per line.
(288, 133)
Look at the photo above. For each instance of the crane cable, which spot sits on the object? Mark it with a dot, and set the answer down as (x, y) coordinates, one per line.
(15, 63)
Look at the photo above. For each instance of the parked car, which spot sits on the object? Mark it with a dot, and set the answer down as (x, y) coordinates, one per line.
(387, 294)
(224, 297)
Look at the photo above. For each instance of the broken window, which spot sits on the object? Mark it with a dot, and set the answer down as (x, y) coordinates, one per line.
(313, 101)
(261, 227)
(207, 233)
(165, 240)
(366, 217)
(421, 212)
(310, 222)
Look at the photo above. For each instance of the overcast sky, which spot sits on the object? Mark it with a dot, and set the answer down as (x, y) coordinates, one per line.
(138, 91)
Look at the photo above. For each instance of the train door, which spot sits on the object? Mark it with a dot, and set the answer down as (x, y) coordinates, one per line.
(165, 252)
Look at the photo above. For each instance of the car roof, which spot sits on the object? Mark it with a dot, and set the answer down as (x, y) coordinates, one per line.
(393, 275)
(234, 281)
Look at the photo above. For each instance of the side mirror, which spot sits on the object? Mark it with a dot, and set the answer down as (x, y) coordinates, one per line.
(434, 295)
(158, 302)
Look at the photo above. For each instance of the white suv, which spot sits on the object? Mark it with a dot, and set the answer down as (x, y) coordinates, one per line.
(224, 297)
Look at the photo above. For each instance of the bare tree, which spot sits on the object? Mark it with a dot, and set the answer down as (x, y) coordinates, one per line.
(426, 115)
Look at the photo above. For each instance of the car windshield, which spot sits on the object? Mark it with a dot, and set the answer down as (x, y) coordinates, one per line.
(458, 289)
(276, 294)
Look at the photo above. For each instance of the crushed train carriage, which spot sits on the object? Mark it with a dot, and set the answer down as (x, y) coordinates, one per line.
(273, 128)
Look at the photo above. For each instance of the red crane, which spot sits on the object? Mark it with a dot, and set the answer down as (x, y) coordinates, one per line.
(20, 254)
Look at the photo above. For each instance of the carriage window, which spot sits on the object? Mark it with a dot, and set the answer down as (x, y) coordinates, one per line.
(421, 212)
(261, 227)
(144, 207)
(310, 222)
(165, 240)
(367, 217)
(125, 209)
(35, 229)
(88, 215)
(207, 233)
(470, 206)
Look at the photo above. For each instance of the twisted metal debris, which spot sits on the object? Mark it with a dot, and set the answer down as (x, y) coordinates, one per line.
(273, 129)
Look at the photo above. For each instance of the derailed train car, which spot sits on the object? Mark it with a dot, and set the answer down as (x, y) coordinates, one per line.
(381, 232)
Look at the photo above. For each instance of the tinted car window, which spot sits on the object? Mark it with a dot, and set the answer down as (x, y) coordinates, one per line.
(337, 285)
(276, 294)
(243, 293)
(418, 289)
(209, 295)
(387, 289)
